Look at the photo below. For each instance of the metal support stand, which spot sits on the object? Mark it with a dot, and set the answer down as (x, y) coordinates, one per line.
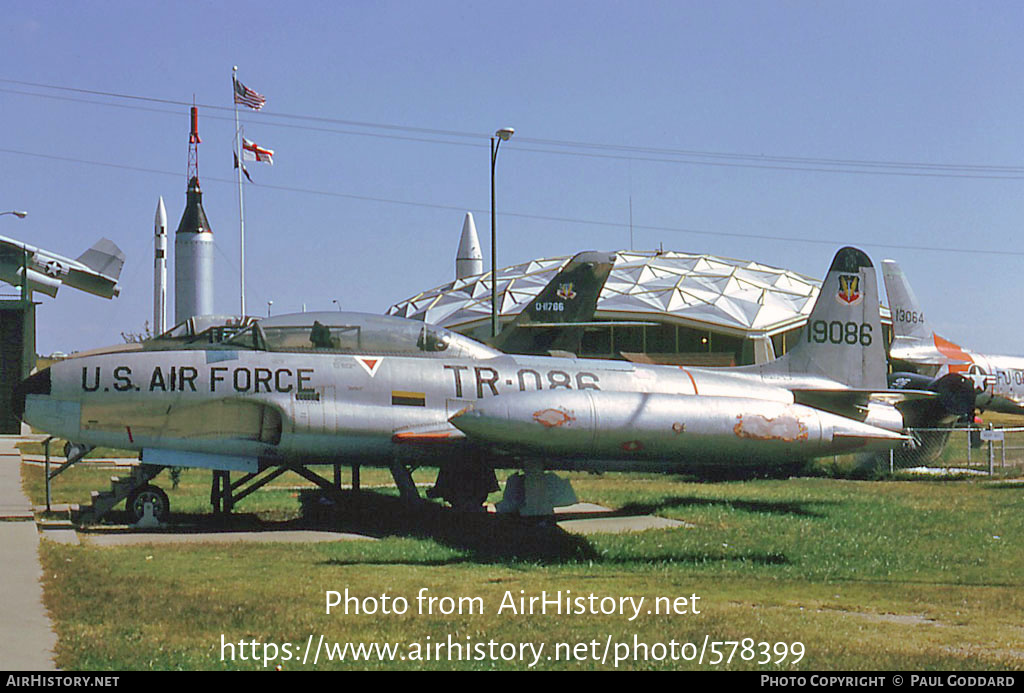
(77, 456)
(220, 492)
(991, 454)
(239, 490)
(323, 483)
(403, 479)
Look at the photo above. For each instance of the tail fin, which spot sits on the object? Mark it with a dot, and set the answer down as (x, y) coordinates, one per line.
(553, 320)
(843, 338)
(913, 340)
(908, 321)
(103, 262)
(105, 258)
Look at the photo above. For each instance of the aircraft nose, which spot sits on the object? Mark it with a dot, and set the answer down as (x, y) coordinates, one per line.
(37, 384)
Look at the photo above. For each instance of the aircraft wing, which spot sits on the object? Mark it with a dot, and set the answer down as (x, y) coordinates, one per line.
(853, 402)
(96, 271)
(952, 398)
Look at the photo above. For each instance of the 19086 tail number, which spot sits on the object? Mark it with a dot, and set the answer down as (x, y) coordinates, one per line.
(838, 332)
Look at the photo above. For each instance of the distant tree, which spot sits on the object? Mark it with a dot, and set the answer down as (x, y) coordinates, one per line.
(136, 337)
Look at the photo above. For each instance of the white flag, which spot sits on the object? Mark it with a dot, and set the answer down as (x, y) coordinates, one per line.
(253, 152)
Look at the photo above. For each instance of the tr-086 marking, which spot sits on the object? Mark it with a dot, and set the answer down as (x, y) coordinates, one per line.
(526, 378)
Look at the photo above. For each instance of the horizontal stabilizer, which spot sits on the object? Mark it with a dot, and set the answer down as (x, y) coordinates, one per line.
(104, 257)
(849, 402)
(954, 400)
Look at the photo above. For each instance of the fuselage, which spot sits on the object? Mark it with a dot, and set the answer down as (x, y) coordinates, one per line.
(325, 405)
(998, 379)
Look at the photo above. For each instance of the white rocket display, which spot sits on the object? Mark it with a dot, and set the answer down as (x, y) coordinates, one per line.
(160, 269)
(469, 260)
(193, 245)
(193, 259)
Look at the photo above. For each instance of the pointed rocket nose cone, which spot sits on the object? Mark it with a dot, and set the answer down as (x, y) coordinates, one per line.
(469, 242)
(193, 220)
(469, 260)
(161, 215)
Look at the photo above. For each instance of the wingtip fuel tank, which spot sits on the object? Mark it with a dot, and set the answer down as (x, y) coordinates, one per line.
(665, 431)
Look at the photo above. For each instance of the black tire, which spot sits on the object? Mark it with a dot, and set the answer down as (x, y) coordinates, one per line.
(469, 503)
(135, 504)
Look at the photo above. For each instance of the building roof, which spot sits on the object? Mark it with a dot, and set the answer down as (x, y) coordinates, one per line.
(700, 291)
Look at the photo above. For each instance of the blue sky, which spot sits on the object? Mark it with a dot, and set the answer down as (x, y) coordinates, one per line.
(364, 206)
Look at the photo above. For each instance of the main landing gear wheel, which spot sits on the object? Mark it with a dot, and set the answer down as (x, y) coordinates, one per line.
(135, 504)
(469, 503)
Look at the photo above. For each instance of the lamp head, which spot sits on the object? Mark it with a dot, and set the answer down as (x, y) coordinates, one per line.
(505, 134)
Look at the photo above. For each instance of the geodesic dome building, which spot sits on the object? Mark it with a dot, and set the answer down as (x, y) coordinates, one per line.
(695, 309)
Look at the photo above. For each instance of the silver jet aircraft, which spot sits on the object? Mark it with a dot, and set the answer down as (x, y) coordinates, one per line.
(96, 271)
(316, 388)
(998, 380)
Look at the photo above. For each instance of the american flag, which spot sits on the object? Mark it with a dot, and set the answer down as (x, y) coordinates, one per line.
(247, 97)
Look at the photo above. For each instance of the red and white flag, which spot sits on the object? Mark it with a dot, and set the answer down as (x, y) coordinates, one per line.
(247, 97)
(253, 152)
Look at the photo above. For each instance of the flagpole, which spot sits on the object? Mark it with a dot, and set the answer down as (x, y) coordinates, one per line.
(241, 198)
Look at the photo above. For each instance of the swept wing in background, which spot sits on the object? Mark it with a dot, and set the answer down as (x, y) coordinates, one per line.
(96, 271)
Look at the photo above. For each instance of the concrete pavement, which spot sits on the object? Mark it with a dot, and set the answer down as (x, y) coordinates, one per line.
(27, 639)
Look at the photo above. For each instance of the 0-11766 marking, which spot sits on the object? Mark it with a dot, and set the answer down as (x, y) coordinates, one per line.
(839, 332)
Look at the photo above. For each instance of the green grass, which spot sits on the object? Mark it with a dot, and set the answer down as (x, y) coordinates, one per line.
(917, 575)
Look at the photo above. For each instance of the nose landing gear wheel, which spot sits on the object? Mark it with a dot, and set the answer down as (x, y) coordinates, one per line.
(135, 504)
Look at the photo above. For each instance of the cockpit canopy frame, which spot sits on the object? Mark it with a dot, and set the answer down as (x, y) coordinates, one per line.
(343, 332)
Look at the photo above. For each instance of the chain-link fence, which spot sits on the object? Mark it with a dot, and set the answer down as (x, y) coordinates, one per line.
(986, 450)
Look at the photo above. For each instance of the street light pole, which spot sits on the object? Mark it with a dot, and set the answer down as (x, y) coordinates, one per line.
(500, 136)
(26, 293)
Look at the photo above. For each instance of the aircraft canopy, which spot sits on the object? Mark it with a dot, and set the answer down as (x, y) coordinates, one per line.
(356, 333)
